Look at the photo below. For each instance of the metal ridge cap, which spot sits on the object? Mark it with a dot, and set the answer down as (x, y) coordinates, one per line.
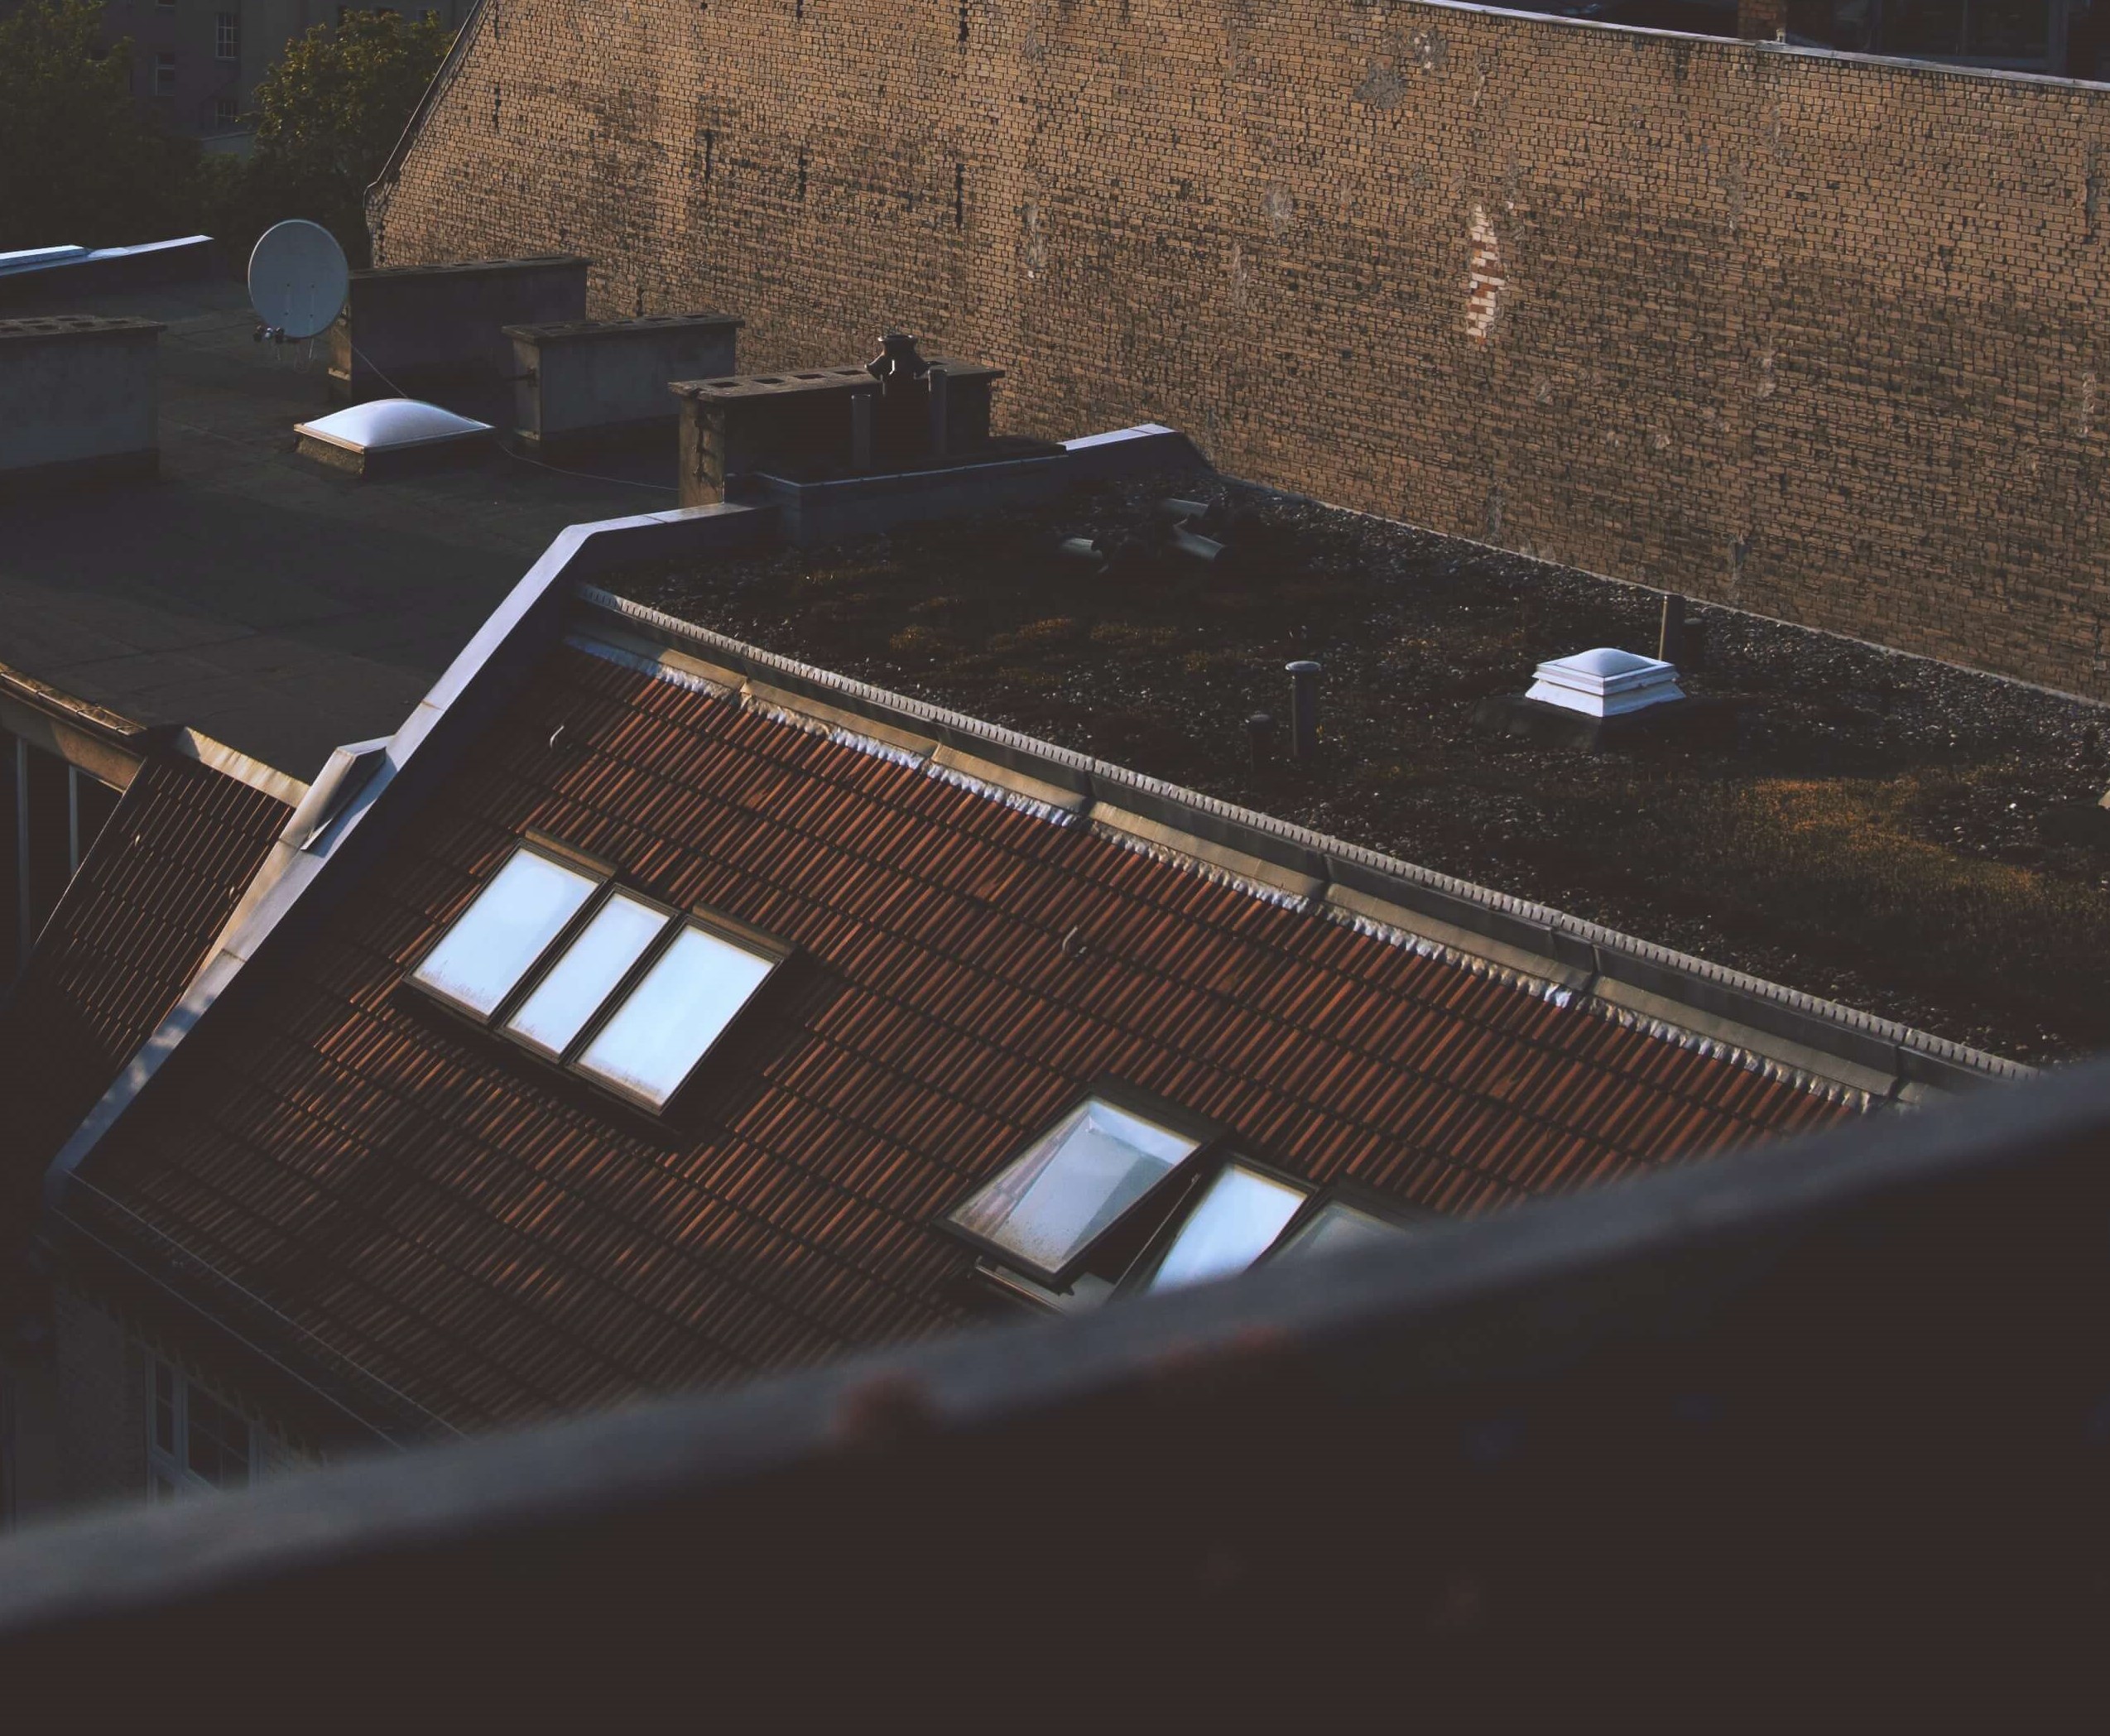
(1326, 848)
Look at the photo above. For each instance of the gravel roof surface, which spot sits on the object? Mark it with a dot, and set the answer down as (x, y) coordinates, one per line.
(1901, 835)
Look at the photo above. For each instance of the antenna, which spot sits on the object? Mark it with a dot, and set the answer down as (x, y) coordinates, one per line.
(297, 280)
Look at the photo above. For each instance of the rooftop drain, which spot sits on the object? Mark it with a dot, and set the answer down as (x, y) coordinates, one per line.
(392, 437)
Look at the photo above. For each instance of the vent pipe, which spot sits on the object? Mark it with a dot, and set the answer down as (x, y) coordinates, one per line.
(1303, 709)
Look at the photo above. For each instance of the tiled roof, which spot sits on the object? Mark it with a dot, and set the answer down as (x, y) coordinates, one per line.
(131, 929)
(496, 1240)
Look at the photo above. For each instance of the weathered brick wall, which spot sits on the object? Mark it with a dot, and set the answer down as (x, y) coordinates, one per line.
(1811, 336)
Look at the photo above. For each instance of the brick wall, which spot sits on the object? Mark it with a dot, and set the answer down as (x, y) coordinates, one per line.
(1812, 336)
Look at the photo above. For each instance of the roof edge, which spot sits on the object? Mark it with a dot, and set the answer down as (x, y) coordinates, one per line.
(376, 191)
(233, 762)
(305, 872)
(1632, 980)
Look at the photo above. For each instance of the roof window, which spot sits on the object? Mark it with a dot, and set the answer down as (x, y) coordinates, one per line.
(1235, 1218)
(572, 990)
(664, 1026)
(480, 960)
(1337, 1224)
(1124, 1194)
(1045, 1211)
(629, 993)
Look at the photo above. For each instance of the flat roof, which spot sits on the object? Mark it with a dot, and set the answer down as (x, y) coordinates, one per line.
(272, 604)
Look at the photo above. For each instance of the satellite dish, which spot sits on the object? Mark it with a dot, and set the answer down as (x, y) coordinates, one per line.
(298, 279)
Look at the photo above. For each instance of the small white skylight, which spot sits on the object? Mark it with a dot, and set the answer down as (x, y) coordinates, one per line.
(506, 929)
(1236, 1219)
(664, 1026)
(1045, 1210)
(1336, 1225)
(573, 989)
(392, 424)
(1605, 682)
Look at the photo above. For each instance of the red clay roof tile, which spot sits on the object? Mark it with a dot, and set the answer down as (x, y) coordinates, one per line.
(495, 1239)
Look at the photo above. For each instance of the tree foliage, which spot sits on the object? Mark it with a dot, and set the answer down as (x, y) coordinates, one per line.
(329, 113)
(80, 161)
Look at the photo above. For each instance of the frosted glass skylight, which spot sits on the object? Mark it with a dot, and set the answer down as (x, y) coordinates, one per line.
(390, 425)
(1334, 1226)
(1236, 1220)
(1046, 1208)
(481, 959)
(572, 990)
(652, 1042)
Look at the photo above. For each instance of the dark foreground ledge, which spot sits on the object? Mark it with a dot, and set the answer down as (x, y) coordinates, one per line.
(1835, 1414)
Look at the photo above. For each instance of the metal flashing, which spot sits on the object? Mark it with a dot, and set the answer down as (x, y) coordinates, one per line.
(231, 763)
(485, 672)
(1775, 1027)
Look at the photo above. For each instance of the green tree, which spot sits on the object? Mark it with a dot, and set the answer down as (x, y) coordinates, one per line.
(79, 160)
(328, 115)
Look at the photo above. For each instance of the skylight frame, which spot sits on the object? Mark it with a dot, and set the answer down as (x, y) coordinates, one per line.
(774, 950)
(1408, 1220)
(501, 1022)
(1144, 1268)
(1207, 1136)
(551, 850)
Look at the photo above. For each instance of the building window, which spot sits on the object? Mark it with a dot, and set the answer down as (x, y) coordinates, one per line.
(622, 989)
(165, 73)
(226, 114)
(227, 36)
(195, 1440)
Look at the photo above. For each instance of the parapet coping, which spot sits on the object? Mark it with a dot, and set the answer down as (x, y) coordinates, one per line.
(558, 331)
(1811, 52)
(782, 384)
(53, 328)
(522, 262)
(1838, 1050)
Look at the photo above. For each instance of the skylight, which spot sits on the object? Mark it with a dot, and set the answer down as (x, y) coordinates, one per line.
(482, 959)
(1045, 1210)
(594, 977)
(1334, 1226)
(573, 989)
(652, 1042)
(1236, 1219)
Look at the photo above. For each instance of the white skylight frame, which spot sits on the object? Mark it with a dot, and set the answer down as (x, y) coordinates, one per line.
(976, 1220)
(613, 991)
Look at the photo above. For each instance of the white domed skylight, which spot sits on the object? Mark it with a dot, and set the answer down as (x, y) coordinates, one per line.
(392, 424)
(1605, 682)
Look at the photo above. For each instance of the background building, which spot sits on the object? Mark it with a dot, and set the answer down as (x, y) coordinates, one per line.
(195, 62)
